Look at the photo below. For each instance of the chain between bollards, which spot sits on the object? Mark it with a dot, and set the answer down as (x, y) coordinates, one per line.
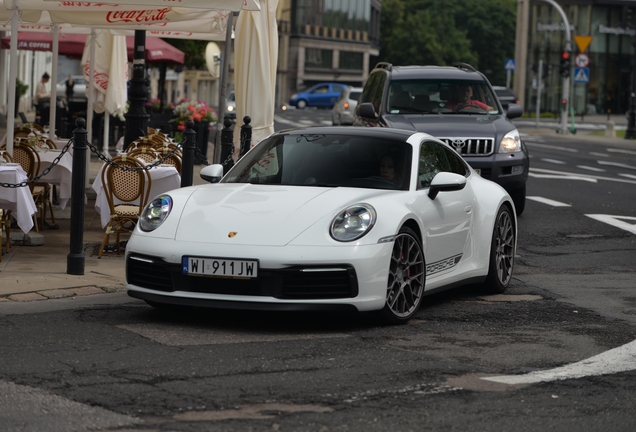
(75, 260)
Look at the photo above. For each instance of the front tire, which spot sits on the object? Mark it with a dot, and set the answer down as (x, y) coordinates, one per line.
(301, 104)
(406, 278)
(502, 253)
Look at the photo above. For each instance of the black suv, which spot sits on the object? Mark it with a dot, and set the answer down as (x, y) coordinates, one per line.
(456, 104)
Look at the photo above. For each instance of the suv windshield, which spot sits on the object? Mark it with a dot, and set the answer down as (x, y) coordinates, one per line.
(427, 96)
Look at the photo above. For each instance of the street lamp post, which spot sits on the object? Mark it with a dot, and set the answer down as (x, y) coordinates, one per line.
(630, 133)
(137, 117)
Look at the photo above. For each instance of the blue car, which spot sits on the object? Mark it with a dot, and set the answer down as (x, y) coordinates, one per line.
(320, 95)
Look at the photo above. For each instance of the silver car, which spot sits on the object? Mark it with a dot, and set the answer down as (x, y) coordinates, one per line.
(79, 87)
(342, 112)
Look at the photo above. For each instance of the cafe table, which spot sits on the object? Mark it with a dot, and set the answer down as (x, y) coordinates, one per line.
(60, 175)
(19, 199)
(164, 178)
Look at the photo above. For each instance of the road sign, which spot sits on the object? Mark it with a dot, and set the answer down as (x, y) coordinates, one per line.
(582, 60)
(510, 64)
(582, 75)
(583, 42)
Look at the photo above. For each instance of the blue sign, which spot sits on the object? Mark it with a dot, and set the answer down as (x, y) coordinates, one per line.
(510, 64)
(582, 75)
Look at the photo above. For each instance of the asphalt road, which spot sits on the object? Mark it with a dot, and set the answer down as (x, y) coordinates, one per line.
(110, 362)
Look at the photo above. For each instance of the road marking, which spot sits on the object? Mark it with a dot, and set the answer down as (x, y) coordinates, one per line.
(628, 176)
(307, 122)
(554, 147)
(621, 359)
(617, 164)
(616, 221)
(548, 201)
(554, 161)
(562, 177)
(599, 154)
(326, 122)
(279, 119)
(585, 167)
(574, 176)
(621, 151)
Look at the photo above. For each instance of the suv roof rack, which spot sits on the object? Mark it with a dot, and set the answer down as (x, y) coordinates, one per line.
(464, 66)
(384, 65)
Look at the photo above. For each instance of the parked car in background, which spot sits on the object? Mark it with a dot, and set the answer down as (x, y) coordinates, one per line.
(505, 96)
(457, 105)
(321, 95)
(326, 218)
(342, 111)
(79, 87)
(230, 105)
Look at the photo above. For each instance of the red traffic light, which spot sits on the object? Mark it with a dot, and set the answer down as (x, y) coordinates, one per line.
(565, 55)
(564, 101)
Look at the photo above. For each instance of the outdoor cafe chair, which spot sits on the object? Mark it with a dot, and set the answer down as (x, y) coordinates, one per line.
(127, 194)
(139, 143)
(169, 158)
(146, 155)
(5, 215)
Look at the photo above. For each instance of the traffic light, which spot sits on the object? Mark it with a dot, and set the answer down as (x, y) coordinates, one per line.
(565, 64)
(547, 71)
(534, 67)
(564, 104)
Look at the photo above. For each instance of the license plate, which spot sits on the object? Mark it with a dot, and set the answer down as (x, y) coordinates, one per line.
(219, 267)
(477, 170)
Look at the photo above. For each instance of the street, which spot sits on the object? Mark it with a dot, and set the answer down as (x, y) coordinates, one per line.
(110, 362)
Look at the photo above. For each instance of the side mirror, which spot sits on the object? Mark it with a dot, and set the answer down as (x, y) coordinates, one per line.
(514, 111)
(366, 110)
(446, 182)
(212, 173)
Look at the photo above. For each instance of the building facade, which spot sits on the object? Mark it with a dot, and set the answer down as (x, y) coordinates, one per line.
(325, 40)
(604, 85)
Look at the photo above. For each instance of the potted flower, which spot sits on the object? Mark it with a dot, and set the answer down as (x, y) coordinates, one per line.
(202, 115)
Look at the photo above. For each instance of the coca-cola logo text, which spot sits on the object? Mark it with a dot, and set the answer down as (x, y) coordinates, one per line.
(138, 16)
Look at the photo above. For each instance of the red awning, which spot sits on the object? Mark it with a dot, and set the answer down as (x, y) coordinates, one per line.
(72, 45)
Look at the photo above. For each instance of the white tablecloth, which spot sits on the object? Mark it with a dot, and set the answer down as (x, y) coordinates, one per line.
(61, 175)
(18, 200)
(164, 179)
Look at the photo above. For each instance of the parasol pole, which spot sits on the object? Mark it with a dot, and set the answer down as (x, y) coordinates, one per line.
(53, 109)
(13, 73)
(90, 93)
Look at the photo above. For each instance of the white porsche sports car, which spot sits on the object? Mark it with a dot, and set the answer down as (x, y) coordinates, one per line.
(326, 218)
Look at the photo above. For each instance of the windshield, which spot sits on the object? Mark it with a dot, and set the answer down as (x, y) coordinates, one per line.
(428, 96)
(326, 160)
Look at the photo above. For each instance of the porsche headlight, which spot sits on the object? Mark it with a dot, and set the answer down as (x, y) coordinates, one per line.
(511, 142)
(353, 222)
(155, 213)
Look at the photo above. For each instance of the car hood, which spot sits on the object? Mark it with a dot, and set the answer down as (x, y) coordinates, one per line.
(449, 125)
(265, 215)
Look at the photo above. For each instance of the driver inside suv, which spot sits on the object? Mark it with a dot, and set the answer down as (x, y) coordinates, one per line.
(463, 97)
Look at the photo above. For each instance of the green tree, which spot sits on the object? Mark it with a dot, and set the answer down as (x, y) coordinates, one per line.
(194, 51)
(441, 32)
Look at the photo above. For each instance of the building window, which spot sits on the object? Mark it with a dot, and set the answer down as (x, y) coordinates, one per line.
(350, 60)
(318, 58)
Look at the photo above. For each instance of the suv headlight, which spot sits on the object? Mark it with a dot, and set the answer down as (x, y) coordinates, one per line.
(155, 213)
(353, 222)
(511, 142)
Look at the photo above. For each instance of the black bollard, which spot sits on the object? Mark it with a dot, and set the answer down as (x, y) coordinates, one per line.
(187, 163)
(227, 144)
(246, 135)
(75, 259)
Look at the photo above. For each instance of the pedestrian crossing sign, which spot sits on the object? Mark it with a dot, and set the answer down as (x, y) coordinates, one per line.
(510, 64)
(582, 75)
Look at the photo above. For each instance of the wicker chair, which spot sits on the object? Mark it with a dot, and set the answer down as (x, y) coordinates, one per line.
(23, 132)
(146, 155)
(173, 159)
(139, 143)
(29, 160)
(123, 188)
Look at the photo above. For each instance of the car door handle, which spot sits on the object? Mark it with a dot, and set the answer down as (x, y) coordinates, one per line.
(468, 209)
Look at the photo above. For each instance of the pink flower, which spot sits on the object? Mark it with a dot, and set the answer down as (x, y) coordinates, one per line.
(197, 117)
(181, 126)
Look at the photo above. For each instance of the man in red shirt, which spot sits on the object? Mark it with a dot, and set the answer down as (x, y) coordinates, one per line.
(465, 100)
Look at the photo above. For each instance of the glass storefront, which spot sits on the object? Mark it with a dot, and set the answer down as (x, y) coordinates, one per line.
(611, 53)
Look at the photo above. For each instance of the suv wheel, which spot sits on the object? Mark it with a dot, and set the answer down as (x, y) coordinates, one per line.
(519, 198)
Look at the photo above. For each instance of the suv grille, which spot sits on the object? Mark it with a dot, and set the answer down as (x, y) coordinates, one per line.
(471, 146)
